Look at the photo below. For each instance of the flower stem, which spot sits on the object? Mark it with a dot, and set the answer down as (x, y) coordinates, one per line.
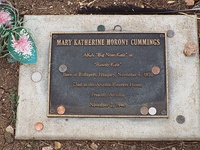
(4, 55)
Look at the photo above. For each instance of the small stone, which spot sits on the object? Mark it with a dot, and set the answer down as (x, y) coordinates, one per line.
(28, 145)
(94, 146)
(133, 147)
(189, 2)
(8, 137)
(2, 140)
(10, 129)
(173, 148)
(69, 3)
(190, 49)
(170, 2)
(58, 145)
(1, 92)
(78, 144)
(23, 12)
(47, 148)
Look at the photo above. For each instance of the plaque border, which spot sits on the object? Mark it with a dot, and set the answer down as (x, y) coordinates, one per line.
(107, 116)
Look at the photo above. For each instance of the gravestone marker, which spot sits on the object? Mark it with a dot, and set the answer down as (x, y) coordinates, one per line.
(50, 107)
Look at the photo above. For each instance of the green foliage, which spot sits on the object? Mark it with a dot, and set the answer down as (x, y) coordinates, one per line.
(14, 103)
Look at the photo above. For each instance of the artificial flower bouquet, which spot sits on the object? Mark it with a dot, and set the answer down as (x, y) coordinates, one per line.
(15, 40)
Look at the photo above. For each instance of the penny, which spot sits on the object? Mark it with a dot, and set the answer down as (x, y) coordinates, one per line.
(39, 126)
(61, 110)
(155, 70)
(144, 110)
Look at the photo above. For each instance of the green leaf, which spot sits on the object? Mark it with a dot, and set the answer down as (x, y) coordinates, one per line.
(10, 59)
(22, 47)
(11, 19)
(14, 88)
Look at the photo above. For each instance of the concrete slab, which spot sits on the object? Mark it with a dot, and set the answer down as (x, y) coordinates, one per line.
(184, 109)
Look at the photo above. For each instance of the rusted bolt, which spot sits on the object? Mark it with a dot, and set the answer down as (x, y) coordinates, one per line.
(144, 110)
(39, 126)
(62, 68)
(61, 110)
(155, 70)
(170, 33)
(190, 49)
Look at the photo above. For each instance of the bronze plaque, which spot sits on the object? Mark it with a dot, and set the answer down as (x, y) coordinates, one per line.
(107, 75)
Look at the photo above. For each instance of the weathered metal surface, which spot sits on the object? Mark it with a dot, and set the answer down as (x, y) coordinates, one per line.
(108, 74)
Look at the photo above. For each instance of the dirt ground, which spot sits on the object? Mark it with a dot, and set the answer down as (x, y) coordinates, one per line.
(9, 76)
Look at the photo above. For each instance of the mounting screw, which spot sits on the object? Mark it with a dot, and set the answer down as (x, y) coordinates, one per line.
(180, 119)
(54, 36)
(162, 35)
(52, 111)
(170, 33)
(163, 112)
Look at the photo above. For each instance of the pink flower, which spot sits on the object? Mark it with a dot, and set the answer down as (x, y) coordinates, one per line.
(5, 18)
(23, 45)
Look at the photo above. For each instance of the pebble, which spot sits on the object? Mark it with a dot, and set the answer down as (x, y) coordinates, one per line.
(173, 148)
(47, 148)
(10, 129)
(1, 92)
(189, 2)
(190, 49)
(94, 146)
(170, 2)
(58, 145)
(133, 147)
(8, 137)
(28, 145)
(78, 144)
(2, 140)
